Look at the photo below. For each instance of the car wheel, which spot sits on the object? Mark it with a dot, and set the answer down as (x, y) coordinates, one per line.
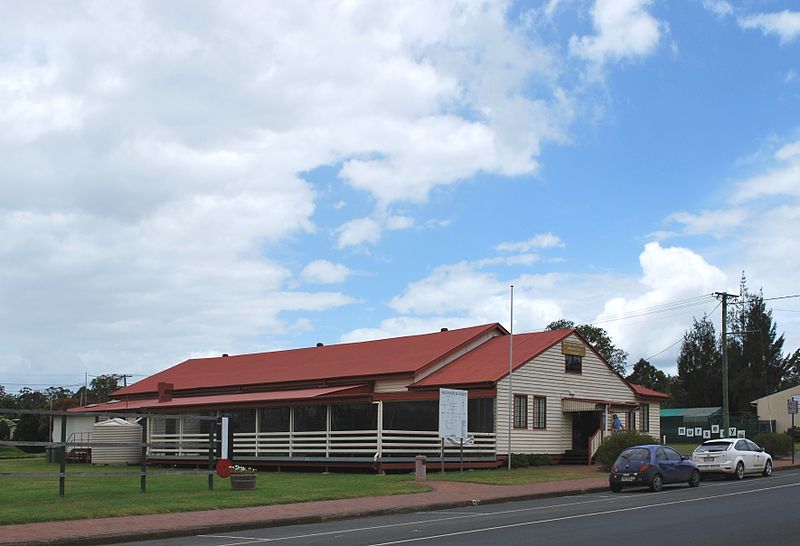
(694, 481)
(656, 484)
(616, 488)
(739, 471)
(767, 469)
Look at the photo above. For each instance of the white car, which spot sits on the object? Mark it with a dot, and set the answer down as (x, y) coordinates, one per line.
(734, 457)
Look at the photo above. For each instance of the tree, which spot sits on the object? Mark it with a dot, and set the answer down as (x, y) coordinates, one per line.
(791, 363)
(599, 339)
(102, 387)
(756, 365)
(647, 375)
(699, 366)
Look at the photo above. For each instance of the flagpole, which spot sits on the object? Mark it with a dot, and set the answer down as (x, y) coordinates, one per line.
(510, 371)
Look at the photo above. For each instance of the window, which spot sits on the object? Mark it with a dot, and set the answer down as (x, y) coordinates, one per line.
(631, 418)
(644, 417)
(573, 364)
(539, 412)
(520, 411)
(661, 454)
(422, 415)
(354, 417)
(672, 455)
(274, 420)
(241, 420)
(310, 418)
(741, 445)
(171, 426)
(480, 414)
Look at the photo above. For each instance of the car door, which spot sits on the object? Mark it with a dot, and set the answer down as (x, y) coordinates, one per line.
(680, 465)
(743, 451)
(759, 459)
(667, 467)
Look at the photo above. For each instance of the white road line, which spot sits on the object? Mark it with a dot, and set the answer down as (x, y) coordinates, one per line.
(579, 516)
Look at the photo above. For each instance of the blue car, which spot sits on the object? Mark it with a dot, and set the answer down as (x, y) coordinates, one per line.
(652, 466)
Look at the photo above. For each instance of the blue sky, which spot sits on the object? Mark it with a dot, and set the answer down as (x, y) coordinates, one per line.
(183, 180)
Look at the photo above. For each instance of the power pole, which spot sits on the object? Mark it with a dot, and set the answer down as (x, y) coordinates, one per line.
(726, 417)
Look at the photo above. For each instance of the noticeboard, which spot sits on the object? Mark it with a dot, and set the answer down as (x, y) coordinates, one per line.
(453, 414)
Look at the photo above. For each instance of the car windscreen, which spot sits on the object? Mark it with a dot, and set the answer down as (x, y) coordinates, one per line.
(712, 446)
(635, 454)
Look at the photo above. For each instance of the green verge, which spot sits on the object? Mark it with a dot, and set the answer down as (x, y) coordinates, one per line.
(26, 500)
(7, 452)
(515, 476)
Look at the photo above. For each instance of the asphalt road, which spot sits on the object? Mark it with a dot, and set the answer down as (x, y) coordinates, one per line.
(751, 511)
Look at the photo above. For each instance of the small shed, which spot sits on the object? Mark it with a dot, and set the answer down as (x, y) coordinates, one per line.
(673, 419)
(124, 439)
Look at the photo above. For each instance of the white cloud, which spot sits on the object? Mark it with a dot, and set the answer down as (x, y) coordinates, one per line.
(624, 31)
(720, 8)
(542, 240)
(358, 232)
(714, 222)
(399, 222)
(324, 272)
(785, 24)
(783, 179)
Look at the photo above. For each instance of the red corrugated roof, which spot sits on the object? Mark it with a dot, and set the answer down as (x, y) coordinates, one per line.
(647, 393)
(399, 355)
(224, 399)
(488, 363)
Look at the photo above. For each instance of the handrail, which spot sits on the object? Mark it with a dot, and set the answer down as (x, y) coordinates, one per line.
(595, 441)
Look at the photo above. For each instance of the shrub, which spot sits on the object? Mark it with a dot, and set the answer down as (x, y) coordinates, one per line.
(540, 459)
(776, 444)
(794, 432)
(519, 460)
(614, 444)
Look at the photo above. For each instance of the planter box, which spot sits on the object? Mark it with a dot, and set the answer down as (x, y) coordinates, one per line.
(241, 482)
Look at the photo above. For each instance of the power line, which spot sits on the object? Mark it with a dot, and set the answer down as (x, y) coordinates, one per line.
(655, 309)
(679, 340)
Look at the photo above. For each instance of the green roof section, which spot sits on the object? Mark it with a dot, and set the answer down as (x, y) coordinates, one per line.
(691, 412)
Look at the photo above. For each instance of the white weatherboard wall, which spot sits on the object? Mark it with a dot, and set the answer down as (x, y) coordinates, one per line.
(545, 376)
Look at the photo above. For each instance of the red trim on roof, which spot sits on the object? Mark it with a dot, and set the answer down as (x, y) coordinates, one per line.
(296, 395)
(644, 392)
(400, 355)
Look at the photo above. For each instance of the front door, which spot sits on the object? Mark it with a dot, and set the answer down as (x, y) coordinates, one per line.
(584, 425)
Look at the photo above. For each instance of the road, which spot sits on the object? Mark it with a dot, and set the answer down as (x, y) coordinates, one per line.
(752, 511)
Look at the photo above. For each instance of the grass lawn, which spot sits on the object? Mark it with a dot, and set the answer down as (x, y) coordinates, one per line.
(514, 476)
(13, 451)
(27, 500)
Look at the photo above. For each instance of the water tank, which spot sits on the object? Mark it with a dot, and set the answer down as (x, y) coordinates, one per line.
(119, 431)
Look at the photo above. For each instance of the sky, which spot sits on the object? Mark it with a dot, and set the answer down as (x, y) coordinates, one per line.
(186, 179)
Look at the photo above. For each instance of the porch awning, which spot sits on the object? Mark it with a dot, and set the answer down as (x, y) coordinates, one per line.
(570, 405)
(221, 400)
(575, 405)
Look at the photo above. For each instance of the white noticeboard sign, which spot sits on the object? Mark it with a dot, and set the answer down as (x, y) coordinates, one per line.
(714, 429)
(453, 414)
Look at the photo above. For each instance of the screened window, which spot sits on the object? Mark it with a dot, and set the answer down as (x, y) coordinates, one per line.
(170, 426)
(274, 420)
(422, 415)
(310, 418)
(354, 417)
(242, 420)
(480, 415)
(539, 412)
(644, 417)
(520, 411)
(573, 364)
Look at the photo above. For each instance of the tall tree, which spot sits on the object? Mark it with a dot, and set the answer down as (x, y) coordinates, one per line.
(647, 375)
(599, 339)
(699, 366)
(102, 387)
(757, 366)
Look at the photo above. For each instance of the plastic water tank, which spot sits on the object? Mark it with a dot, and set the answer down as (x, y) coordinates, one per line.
(117, 431)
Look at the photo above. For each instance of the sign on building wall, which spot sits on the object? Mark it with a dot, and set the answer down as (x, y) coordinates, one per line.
(573, 348)
(453, 414)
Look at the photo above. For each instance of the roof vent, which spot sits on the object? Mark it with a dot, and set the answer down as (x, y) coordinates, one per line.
(444, 329)
(224, 354)
(319, 344)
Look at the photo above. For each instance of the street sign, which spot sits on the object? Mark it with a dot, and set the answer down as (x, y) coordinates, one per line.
(791, 405)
